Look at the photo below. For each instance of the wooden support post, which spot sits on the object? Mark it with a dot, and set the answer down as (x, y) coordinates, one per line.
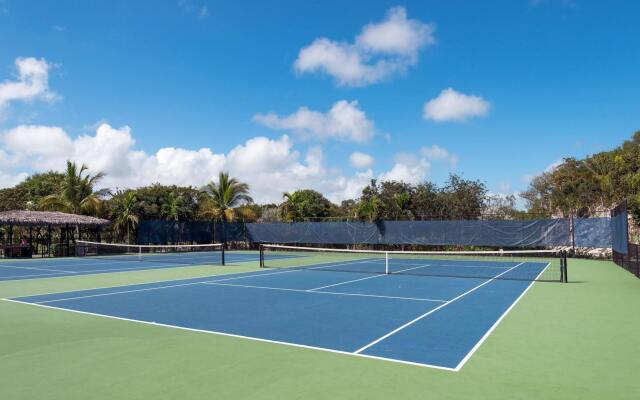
(60, 243)
(67, 244)
(49, 240)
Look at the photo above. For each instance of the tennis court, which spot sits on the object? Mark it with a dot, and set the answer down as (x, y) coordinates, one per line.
(310, 300)
(60, 267)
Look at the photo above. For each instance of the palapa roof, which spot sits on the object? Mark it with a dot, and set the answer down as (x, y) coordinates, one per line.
(44, 218)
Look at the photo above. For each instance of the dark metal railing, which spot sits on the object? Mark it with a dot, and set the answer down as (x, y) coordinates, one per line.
(629, 261)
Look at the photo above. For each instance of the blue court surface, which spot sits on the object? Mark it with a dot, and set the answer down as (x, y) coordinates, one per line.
(422, 320)
(59, 267)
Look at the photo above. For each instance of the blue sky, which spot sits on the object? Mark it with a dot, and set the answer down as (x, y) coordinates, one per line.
(283, 93)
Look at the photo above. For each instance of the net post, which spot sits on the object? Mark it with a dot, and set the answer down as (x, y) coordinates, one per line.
(139, 253)
(222, 254)
(386, 262)
(261, 256)
(563, 265)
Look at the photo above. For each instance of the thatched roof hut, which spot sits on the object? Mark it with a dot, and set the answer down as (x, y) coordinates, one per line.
(49, 218)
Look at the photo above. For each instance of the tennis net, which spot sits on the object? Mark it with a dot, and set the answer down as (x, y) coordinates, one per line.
(194, 254)
(528, 265)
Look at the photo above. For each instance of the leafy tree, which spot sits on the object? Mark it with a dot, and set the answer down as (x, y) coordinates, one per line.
(538, 195)
(583, 187)
(394, 200)
(270, 213)
(13, 199)
(28, 193)
(151, 200)
(305, 204)
(76, 195)
(224, 196)
(248, 212)
(41, 185)
(463, 199)
(426, 202)
(502, 207)
(348, 209)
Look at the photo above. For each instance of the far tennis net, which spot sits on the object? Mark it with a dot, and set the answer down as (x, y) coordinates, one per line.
(528, 265)
(194, 254)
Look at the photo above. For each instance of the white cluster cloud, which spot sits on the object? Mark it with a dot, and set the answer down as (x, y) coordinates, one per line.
(414, 168)
(43, 147)
(407, 168)
(454, 106)
(344, 121)
(342, 188)
(380, 50)
(269, 166)
(437, 153)
(31, 83)
(360, 160)
(7, 178)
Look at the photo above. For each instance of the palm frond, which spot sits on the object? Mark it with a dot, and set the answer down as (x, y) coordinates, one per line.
(54, 202)
(227, 194)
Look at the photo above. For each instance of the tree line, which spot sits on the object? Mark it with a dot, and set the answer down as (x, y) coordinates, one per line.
(590, 186)
(580, 188)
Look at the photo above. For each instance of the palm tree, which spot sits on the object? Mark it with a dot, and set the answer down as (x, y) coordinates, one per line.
(77, 195)
(292, 206)
(224, 196)
(401, 201)
(369, 208)
(171, 208)
(126, 208)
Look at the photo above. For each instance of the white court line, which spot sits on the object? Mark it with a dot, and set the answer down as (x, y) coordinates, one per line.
(335, 264)
(368, 277)
(240, 259)
(288, 270)
(504, 314)
(98, 261)
(17, 277)
(66, 274)
(304, 346)
(104, 271)
(152, 288)
(343, 283)
(33, 268)
(413, 321)
(52, 261)
(323, 292)
(457, 265)
(121, 285)
(260, 273)
(106, 260)
(113, 293)
(458, 367)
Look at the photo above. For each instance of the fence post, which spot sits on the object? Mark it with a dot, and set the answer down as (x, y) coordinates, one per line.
(573, 233)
